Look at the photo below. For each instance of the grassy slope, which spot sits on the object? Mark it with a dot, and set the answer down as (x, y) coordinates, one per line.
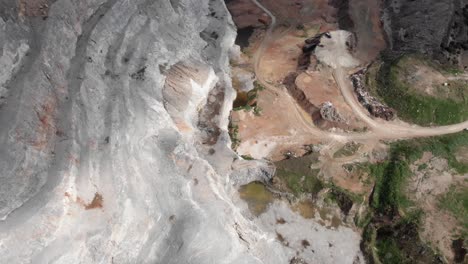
(389, 200)
(456, 202)
(443, 146)
(298, 175)
(412, 106)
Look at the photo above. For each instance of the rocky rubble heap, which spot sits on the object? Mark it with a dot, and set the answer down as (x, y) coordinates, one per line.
(310, 44)
(329, 113)
(372, 104)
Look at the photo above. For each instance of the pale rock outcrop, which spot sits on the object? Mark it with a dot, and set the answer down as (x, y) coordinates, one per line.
(95, 167)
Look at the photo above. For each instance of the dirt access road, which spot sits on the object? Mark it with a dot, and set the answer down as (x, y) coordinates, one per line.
(379, 129)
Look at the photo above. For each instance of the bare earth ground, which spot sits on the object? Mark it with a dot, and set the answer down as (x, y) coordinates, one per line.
(273, 132)
(320, 87)
(368, 28)
(462, 154)
(424, 79)
(429, 81)
(276, 130)
(352, 179)
(280, 58)
(33, 8)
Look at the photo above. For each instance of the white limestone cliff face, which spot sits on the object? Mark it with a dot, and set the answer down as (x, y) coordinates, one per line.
(94, 168)
(113, 134)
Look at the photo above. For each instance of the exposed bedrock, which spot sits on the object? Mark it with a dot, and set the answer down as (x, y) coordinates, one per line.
(436, 28)
(345, 21)
(106, 156)
(418, 25)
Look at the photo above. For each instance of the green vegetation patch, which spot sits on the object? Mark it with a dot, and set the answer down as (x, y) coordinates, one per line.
(400, 244)
(397, 241)
(361, 220)
(247, 157)
(388, 251)
(422, 167)
(445, 147)
(338, 191)
(298, 175)
(412, 106)
(392, 224)
(456, 202)
(368, 244)
(233, 130)
(342, 198)
(390, 177)
(300, 183)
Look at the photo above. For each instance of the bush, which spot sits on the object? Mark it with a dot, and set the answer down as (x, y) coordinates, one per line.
(248, 100)
(247, 157)
(233, 130)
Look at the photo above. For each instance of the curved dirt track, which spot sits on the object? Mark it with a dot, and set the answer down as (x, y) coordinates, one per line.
(379, 129)
(392, 129)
